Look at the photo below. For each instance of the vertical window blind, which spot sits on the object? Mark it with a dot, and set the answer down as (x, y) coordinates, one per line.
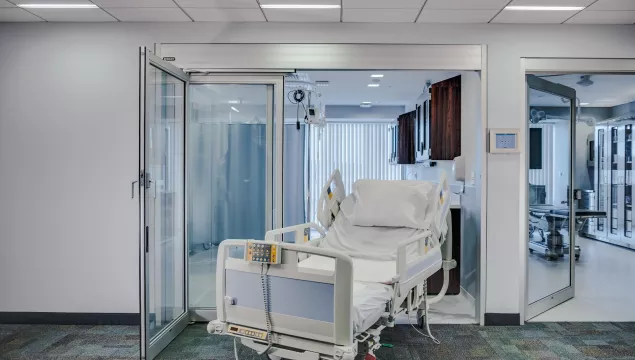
(358, 150)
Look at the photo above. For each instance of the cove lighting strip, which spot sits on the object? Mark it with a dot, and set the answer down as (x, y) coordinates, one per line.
(298, 6)
(58, 6)
(545, 8)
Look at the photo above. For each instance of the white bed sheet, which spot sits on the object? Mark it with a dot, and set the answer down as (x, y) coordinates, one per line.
(369, 303)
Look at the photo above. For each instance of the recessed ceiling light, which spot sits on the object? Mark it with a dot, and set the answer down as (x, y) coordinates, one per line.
(545, 8)
(233, 102)
(366, 102)
(373, 85)
(298, 6)
(582, 104)
(377, 76)
(236, 110)
(58, 6)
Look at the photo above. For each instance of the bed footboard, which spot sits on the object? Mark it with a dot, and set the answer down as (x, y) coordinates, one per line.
(315, 305)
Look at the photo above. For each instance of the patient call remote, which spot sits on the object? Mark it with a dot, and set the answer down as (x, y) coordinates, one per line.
(263, 252)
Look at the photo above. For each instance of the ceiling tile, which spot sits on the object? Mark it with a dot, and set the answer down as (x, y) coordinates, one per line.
(17, 15)
(73, 15)
(613, 5)
(302, 2)
(456, 16)
(380, 15)
(551, 2)
(533, 17)
(135, 3)
(229, 4)
(295, 15)
(603, 17)
(466, 4)
(5, 4)
(382, 4)
(149, 14)
(225, 15)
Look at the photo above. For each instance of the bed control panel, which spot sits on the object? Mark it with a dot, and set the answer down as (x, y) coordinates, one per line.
(247, 332)
(263, 252)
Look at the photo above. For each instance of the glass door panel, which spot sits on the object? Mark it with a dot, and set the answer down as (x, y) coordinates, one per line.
(231, 149)
(552, 252)
(164, 284)
(227, 177)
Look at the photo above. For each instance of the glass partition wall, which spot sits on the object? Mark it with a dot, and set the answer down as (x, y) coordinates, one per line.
(231, 126)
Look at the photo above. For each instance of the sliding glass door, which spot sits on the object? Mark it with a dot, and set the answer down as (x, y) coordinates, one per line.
(164, 306)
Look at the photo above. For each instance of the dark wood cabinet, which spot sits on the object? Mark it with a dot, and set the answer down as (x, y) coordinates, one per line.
(435, 282)
(445, 119)
(406, 138)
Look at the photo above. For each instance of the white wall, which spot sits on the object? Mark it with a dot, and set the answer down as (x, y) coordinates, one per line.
(68, 144)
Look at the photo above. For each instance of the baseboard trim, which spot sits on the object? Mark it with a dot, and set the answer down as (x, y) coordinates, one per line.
(494, 319)
(51, 318)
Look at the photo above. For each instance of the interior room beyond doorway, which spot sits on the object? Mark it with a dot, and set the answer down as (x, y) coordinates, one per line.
(361, 111)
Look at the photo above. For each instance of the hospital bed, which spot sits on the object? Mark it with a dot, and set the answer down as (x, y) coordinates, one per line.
(549, 221)
(331, 297)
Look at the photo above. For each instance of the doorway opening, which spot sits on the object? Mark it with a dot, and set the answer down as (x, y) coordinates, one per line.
(593, 156)
(251, 153)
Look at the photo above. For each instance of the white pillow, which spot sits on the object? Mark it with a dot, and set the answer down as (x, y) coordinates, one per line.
(398, 203)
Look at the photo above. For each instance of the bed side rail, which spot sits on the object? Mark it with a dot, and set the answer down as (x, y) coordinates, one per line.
(332, 195)
(237, 304)
(412, 272)
(301, 232)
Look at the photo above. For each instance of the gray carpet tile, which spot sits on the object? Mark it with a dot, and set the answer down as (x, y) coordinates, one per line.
(68, 342)
(532, 341)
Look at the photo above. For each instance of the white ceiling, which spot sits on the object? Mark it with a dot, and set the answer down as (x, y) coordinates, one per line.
(607, 90)
(421, 11)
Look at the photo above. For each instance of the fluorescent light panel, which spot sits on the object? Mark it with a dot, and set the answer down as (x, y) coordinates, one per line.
(298, 6)
(236, 110)
(234, 102)
(373, 85)
(582, 104)
(58, 6)
(377, 76)
(366, 102)
(545, 8)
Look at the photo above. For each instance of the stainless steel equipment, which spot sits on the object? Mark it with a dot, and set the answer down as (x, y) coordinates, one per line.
(613, 182)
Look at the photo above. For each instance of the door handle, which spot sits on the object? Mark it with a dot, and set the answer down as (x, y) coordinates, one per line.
(133, 183)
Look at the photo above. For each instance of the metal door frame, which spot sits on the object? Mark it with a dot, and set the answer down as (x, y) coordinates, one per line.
(555, 299)
(274, 156)
(150, 348)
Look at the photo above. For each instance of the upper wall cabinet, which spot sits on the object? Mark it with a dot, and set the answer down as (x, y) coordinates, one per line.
(445, 119)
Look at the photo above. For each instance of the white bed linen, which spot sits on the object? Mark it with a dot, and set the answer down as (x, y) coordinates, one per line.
(369, 303)
(370, 242)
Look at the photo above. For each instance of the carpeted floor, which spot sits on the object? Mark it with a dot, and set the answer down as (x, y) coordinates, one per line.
(532, 341)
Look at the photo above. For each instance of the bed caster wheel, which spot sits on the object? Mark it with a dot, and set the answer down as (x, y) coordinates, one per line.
(207, 246)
